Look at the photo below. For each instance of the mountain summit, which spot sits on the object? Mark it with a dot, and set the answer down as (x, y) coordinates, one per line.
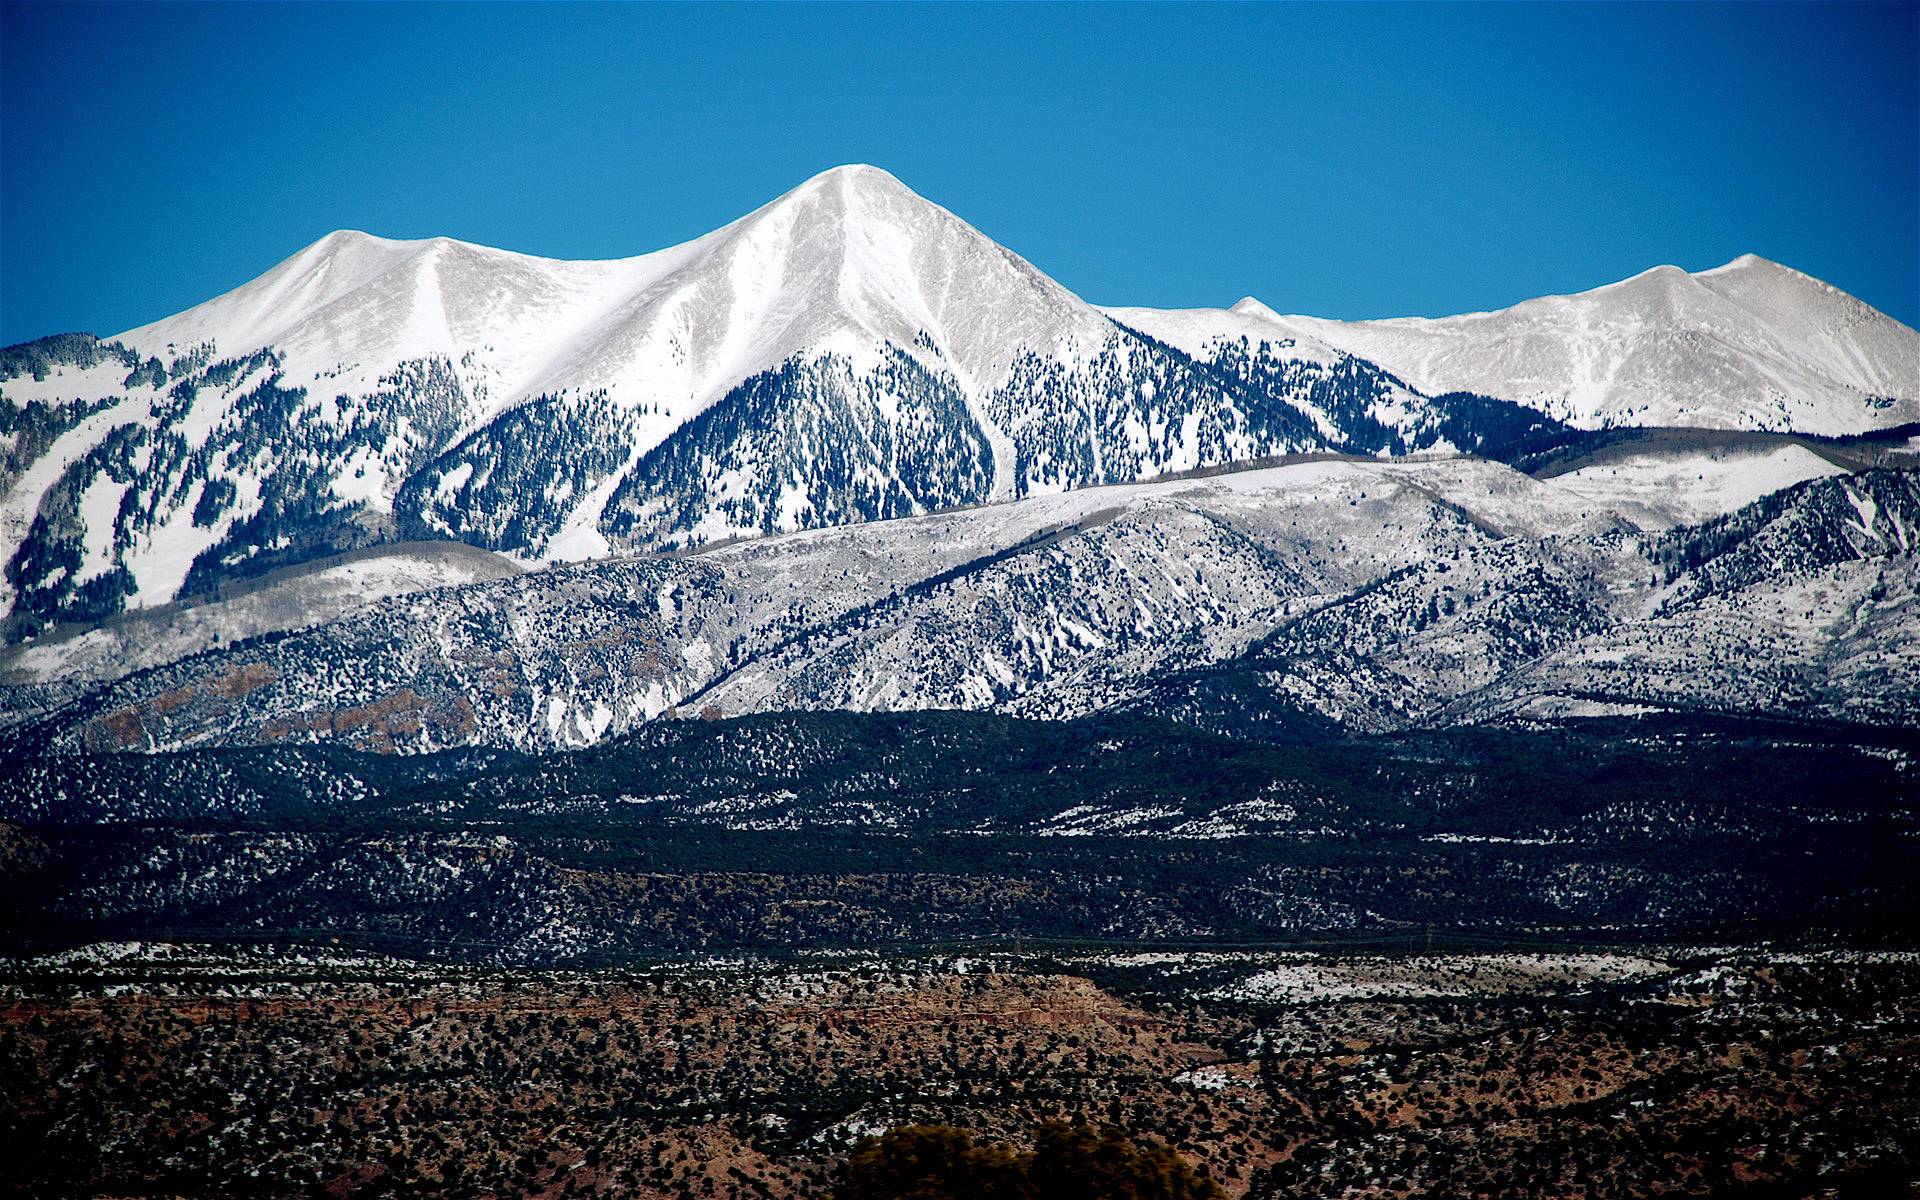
(850, 256)
(1748, 345)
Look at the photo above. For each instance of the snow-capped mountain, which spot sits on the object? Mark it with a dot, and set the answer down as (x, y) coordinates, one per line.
(849, 263)
(1749, 345)
(849, 352)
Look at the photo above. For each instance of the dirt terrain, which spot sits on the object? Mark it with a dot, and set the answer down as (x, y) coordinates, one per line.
(150, 1071)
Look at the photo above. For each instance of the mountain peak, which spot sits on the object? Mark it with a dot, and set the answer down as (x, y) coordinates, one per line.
(855, 174)
(341, 237)
(1744, 262)
(831, 206)
(1752, 344)
(843, 186)
(1754, 269)
(854, 250)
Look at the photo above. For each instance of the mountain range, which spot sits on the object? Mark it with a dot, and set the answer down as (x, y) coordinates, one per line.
(848, 352)
(848, 453)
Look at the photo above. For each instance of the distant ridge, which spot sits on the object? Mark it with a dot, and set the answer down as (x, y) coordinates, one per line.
(1748, 345)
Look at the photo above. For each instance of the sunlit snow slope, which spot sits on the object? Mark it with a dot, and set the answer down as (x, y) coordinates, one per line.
(846, 353)
(1749, 345)
(1303, 599)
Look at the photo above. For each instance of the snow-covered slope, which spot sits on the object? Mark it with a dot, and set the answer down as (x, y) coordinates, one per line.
(1345, 399)
(849, 261)
(846, 353)
(1333, 594)
(1657, 489)
(352, 306)
(299, 597)
(1749, 345)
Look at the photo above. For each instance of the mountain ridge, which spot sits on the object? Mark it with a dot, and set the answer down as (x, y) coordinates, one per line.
(1760, 345)
(1369, 596)
(847, 352)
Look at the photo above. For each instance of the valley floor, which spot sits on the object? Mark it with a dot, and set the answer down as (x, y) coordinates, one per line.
(148, 1070)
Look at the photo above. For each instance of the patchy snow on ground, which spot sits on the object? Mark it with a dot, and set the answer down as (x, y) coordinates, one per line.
(1307, 981)
(305, 597)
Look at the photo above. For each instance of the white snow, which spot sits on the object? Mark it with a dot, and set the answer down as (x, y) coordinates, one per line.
(1748, 345)
(1197, 331)
(161, 562)
(1660, 490)
(578, 542)
(1867, 510)
(453, 481)
(1307, 981)
(99, 505)
(66, 383)
(23, 498)
(851, 254)
(143, 639)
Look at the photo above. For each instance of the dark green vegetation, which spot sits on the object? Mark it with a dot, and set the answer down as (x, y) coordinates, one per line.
(1067, 1162)
(1444, 963)
(276, 1067)
(42, 356)
(810, 421)
(809, 830)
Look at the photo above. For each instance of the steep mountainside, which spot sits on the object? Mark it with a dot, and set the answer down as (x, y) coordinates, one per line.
(1749, 345)
(849, 352)
(1359, 595)
(293, 598)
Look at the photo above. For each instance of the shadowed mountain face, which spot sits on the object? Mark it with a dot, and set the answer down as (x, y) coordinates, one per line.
(794, 830)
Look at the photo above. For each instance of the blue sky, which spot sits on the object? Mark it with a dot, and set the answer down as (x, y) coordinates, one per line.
(1344, 160)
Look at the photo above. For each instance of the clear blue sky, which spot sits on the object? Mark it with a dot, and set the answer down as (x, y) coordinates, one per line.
(1349, 161)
